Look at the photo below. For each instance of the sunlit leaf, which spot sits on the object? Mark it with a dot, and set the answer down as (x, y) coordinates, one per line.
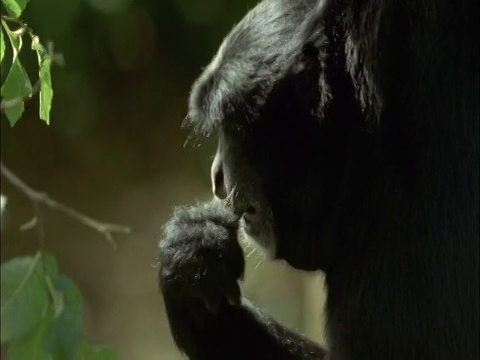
(17, 85)
(36, 46)
(15, 38)
(24, 296)
(15, 7)
(2, 45)
(46, 90)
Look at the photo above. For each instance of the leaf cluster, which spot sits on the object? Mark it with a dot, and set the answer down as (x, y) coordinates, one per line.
(41, 308)
(17, 87)
(41, 313)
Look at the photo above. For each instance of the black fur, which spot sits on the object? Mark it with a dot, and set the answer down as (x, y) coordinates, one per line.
(352, 129)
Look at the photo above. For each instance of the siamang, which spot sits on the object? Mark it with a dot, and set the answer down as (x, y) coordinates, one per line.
(348, 143)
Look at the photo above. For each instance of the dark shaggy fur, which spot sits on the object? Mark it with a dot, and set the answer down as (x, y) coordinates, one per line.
(351, 127)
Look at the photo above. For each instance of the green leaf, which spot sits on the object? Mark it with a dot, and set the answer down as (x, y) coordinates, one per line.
(46, 90)
(2, 45)
(66, 335)
(15, 89)
(15, 7)
(17, 85)
(66, 339)
(45, 78)
(50, 268)
(31, 346)
(15, 38)
(48, 329)
(24, 296)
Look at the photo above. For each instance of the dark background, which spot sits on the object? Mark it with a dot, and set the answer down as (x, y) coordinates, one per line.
(115, 151)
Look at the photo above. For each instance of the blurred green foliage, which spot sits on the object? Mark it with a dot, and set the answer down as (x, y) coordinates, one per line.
(128, 63)
(42, 313)
(160, 44)
(41, 309)
(119, 100)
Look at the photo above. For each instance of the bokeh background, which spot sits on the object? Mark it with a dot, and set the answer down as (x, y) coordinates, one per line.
(115, 151)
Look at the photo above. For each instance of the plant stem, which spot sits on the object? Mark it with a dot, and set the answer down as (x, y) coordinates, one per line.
(38, 197)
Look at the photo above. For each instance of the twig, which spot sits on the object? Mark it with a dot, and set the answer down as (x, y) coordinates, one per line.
(38, 197)
(18, 22)
(57, 58)
(39, 223)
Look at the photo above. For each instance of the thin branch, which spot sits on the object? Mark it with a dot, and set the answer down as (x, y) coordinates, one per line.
(38, 197)
(56, 57)
(15, 21)
(40, 225)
